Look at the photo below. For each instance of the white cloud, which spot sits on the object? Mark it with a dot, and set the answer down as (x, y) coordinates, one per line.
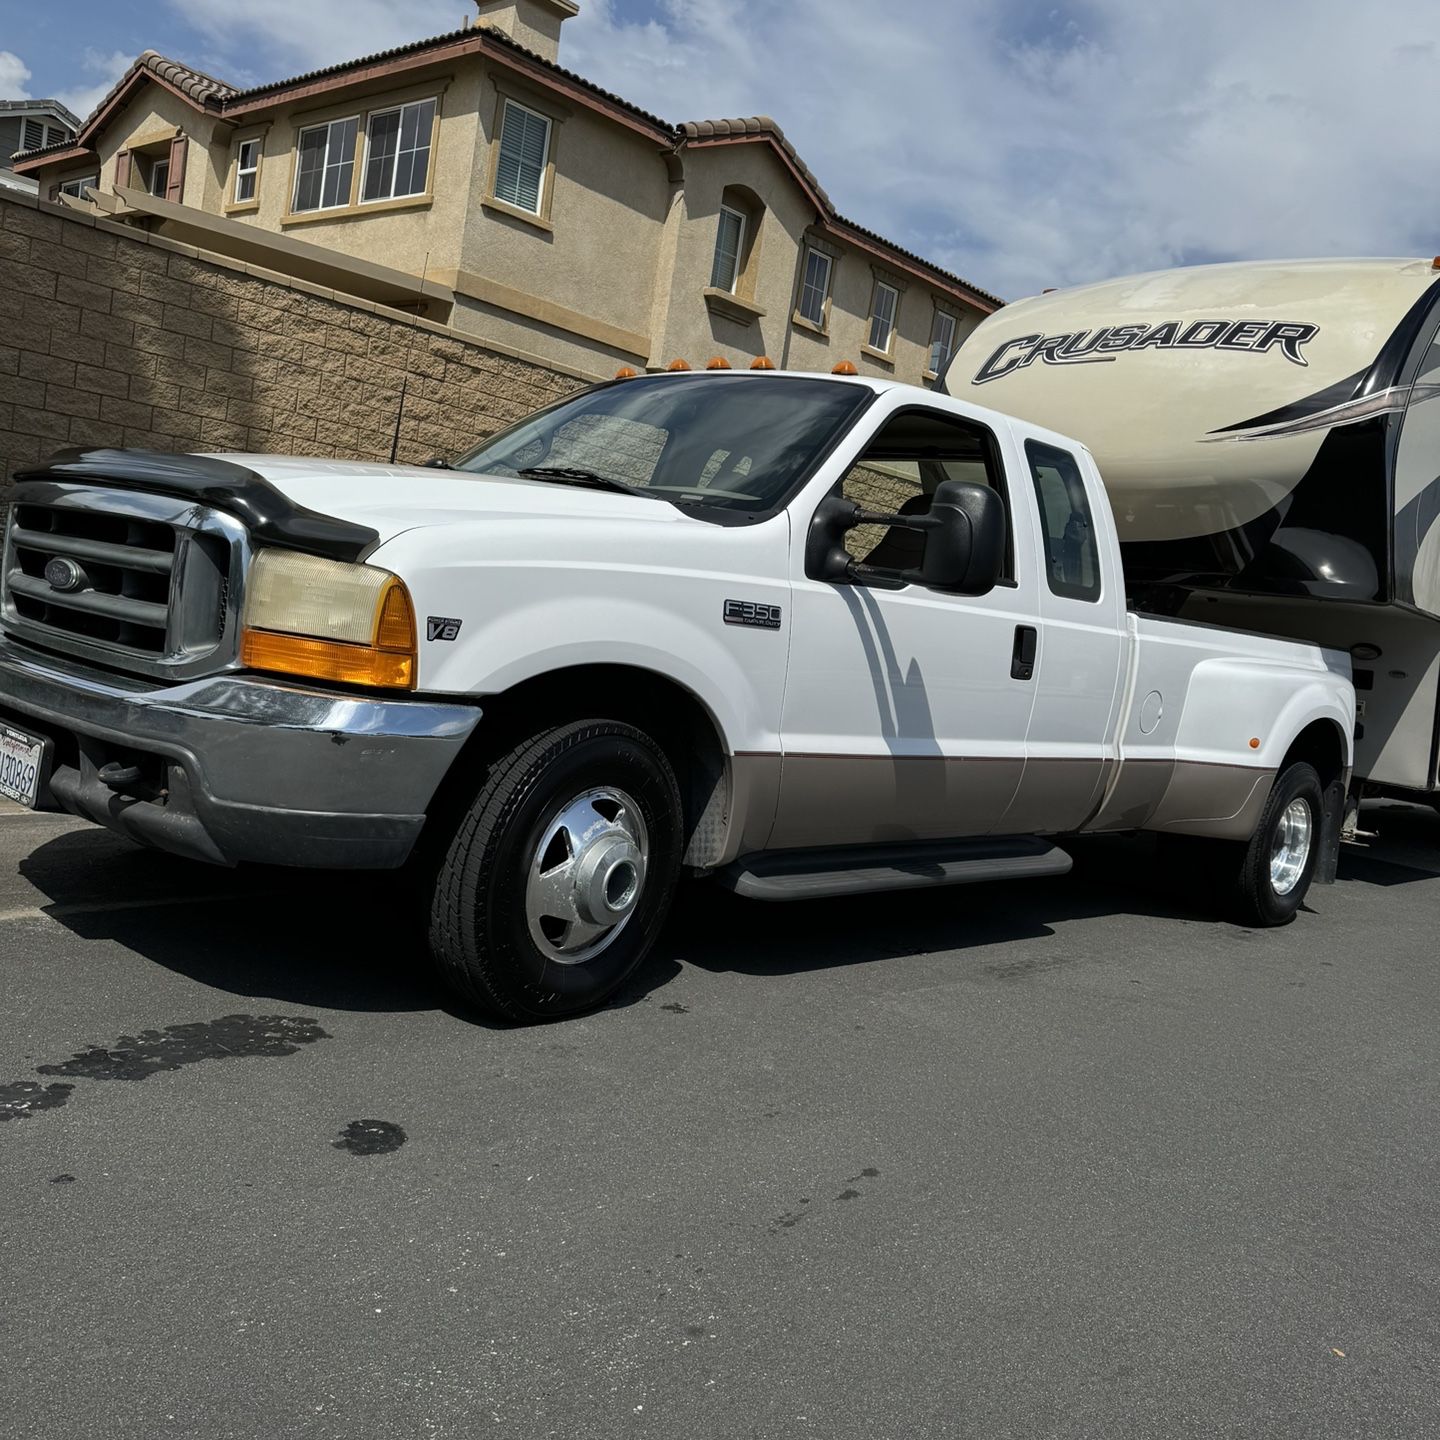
(1027, 144)
(14, 73)
(265, 40)
(106, 69)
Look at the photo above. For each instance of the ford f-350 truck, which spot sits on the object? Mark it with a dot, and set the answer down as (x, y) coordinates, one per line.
(807, 635)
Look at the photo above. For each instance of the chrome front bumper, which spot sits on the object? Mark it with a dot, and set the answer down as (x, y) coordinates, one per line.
(235, 767)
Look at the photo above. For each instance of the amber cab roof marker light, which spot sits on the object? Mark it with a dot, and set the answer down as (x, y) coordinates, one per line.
(762, 362)
(717, 362)
(678, 365)
(845, 367)
(626, 372)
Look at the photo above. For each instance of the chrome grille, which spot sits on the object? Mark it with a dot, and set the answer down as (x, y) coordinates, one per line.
(139, 582)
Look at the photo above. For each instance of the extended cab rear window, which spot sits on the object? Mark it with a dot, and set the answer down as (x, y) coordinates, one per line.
(740, 442)
(1072, 558)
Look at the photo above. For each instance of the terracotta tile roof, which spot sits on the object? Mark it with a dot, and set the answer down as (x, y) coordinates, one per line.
(54, 149)
(490, 32)
(763, 127)
(195, 85)
(199, 86)
(752, 125)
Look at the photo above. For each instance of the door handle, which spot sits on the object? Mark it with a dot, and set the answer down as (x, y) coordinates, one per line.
(1022, 658)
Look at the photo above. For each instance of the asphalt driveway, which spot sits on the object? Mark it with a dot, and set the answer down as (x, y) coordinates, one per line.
(1059, 1159)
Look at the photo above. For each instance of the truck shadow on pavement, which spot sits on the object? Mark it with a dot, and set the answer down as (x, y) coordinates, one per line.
(343, 941)
(337, 940)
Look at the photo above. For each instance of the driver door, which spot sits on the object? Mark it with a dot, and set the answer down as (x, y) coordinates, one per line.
(902, 720)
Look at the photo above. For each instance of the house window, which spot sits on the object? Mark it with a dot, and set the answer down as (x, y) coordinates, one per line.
(77, 187)
(942, 341)
(524, 149)
(882, 316)
(326, 172)
(159, 178)
(729, 238)
(398, 151)
(247, 171)
(815, 288)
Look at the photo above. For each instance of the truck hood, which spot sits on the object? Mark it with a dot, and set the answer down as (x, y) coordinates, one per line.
(391, 499)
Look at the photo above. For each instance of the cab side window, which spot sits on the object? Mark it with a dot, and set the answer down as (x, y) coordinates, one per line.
(1072, 558)
(898, 472)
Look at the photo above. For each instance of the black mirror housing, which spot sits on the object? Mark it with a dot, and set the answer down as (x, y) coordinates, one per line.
(965, 539)
(964, 531)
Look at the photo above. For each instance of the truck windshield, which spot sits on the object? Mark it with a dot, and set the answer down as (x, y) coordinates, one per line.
(742, 442)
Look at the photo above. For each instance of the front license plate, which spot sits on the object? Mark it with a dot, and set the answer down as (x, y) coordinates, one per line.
(21, 760)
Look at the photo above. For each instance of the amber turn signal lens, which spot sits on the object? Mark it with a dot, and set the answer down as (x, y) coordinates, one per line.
(396, 627)
(327, 660)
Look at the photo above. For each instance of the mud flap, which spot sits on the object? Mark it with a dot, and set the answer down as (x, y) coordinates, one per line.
(1332, 823)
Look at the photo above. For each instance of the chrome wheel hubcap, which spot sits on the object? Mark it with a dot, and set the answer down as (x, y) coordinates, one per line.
(586, 875)
(1291, 847)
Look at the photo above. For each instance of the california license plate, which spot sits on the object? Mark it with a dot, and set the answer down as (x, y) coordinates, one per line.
(22, 757)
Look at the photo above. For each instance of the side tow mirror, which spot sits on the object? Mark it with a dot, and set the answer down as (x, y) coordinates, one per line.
(965, 539)
(964, 532)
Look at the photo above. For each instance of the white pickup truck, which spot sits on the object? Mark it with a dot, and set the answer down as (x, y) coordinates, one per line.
(808, 635)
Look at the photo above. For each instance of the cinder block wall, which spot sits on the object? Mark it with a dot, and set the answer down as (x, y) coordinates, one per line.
(111, 336)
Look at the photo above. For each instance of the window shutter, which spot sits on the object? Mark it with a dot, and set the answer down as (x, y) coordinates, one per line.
(34, 135)
(175, 188)
(122, 170)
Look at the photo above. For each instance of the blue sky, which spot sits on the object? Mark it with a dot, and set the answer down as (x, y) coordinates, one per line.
(1022, 143)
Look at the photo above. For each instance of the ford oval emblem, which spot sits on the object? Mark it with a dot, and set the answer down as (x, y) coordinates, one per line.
(63, 574)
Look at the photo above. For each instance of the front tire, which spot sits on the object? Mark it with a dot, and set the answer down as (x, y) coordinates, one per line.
(559, 876)
(1279, 860)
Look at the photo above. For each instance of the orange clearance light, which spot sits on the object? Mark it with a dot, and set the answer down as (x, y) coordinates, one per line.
(1255, 742)
(762, 362)
(678, 365)
(1435, 263)
(626, 372)
(717, 362)
(845, 367)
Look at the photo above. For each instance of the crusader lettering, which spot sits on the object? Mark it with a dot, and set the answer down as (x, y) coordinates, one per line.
(1102, 345)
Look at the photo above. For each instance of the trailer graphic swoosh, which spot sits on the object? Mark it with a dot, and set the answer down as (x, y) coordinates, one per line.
(1335, 405)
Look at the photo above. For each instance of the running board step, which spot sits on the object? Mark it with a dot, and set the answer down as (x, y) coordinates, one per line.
(855, 870)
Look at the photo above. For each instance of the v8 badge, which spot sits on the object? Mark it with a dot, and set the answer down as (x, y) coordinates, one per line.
(441, 627)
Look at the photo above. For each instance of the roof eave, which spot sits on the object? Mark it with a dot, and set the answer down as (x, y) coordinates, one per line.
(37, 160)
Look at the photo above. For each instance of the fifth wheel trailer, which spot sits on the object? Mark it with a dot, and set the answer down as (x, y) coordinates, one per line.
(1269, 434)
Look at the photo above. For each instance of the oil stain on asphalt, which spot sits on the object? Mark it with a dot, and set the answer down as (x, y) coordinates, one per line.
(25, 1097)
(136, 1057)
(370, 1137)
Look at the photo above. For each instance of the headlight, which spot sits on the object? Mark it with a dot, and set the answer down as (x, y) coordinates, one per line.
(328, 620)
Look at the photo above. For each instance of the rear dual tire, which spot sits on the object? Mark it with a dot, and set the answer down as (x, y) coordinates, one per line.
(1279, 861)
(1261, 881)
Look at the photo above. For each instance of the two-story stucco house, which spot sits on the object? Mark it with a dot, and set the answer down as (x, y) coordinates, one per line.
(470, 178)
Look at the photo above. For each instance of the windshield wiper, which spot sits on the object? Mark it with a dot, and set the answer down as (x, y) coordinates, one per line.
(577, 476)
